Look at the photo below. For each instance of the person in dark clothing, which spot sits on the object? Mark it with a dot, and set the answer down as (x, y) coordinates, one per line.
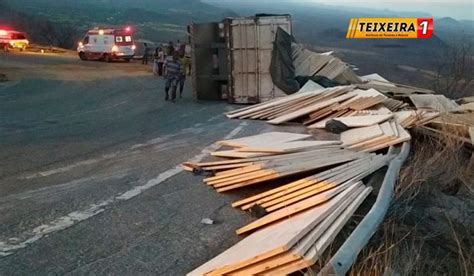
(145, 54)
(173, 69)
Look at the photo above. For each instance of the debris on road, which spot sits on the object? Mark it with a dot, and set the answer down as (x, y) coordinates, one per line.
(207, 221)
(326, 186)
(321, 182)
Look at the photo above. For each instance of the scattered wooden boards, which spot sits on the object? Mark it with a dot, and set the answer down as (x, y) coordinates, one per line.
(375, 137)
(282, 237)
(434, 102)
(263, 139)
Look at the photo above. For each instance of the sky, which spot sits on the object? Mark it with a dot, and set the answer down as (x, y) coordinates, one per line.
(458, 9)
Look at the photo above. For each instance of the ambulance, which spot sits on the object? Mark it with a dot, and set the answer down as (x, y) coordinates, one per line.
(13, 40)
(107, 45)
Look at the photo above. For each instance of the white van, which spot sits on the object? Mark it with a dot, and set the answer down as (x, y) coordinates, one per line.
(107, 44)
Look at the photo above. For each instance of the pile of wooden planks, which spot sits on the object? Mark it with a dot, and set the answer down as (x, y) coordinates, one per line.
(414, 118)
(299, 219)
(293, 192)
(285, 155)
(313, 106)
(309, 63)
(294, 243)
(375, 121)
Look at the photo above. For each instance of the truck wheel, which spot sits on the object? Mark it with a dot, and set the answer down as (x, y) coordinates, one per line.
(82, 56)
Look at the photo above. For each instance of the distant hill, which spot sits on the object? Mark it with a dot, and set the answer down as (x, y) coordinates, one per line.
(156, 20)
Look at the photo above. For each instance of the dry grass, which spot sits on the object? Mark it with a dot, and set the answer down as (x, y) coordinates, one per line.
(438, 162)
(436, 166)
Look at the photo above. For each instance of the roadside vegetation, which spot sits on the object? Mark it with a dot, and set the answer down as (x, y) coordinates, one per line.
(430, 226)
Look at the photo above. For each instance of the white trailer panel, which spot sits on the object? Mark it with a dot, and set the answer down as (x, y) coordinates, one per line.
(251, 44)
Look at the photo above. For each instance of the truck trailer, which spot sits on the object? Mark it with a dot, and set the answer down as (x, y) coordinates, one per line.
(231, 59)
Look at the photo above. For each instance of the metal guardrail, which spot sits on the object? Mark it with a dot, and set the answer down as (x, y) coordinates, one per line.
(341, 262)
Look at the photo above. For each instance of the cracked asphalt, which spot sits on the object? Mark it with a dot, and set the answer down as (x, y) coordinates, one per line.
(76, 139)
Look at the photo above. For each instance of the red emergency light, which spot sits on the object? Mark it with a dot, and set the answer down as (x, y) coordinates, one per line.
(128, 29)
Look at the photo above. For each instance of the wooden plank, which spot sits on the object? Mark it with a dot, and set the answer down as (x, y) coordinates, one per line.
(357, 135)
(273, 240)
(314, 235)
(239, 154)
(294, 209)
(276, 102)
(354, 174)
(311, 255)
(297, 252)
(271, 147)
(238, 171)
(288, 188)
(241, 178)
(435, 102)
(404, 136)
(307, 110)
(356, 121)
(226, 167)
(262, 138)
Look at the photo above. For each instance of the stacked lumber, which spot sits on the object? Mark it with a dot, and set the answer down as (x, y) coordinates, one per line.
(294, 243)
(288, 104)
(300, 218)
(394, 89)
(290, 193)
(414, 118)
(394, 105)
(314, 106)
(237, 173)
(309, 63)
(375, 137)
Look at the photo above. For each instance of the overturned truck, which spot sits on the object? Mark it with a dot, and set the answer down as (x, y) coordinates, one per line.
(254, 59)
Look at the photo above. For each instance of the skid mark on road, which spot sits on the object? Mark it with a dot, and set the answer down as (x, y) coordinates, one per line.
(13, 244)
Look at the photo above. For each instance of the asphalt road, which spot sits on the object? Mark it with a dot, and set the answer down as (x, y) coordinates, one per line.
(89, 175)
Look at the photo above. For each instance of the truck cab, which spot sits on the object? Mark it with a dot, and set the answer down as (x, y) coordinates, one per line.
(13, 40)
(107, 44)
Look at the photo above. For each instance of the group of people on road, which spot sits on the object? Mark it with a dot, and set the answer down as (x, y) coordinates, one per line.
(172, 61)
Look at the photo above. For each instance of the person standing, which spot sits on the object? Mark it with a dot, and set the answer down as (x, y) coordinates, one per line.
(161, 61)
(185, 66)
(173, 68)
(170, 48)
(155, 61)
(177, 46)
(145, 54)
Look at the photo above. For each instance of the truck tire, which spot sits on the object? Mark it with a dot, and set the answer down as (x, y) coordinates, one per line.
(82, 56)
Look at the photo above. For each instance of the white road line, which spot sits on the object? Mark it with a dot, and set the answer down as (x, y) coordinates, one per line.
(61, 223)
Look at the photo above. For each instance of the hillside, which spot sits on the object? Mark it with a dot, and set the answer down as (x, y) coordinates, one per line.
(155, 20)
